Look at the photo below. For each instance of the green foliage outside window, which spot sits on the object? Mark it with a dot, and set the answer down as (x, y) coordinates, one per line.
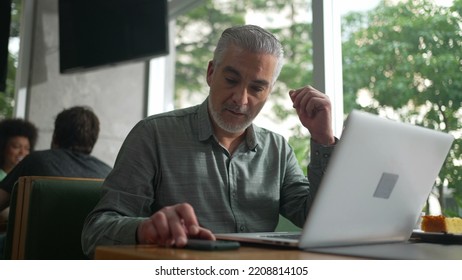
(7, 96)
(408, 59)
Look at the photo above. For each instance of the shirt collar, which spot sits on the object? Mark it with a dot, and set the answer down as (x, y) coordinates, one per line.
(206, 131)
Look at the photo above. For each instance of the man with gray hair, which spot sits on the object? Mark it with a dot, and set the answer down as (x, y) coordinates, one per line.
(208, 169)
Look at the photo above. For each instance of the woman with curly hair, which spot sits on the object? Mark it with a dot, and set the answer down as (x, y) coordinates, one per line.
(17, 140)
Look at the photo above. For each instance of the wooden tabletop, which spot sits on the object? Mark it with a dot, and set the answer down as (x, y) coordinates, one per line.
(153, 252)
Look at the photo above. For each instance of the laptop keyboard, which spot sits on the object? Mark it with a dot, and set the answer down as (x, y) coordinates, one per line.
(295, 236)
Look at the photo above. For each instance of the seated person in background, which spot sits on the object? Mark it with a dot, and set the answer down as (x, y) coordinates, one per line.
(17, 139)
(75, 133)
(208, 168)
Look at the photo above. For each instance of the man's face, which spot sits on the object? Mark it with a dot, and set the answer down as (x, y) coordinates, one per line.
(239, 87)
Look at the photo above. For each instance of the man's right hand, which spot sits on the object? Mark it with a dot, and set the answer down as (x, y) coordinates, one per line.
(172, 226)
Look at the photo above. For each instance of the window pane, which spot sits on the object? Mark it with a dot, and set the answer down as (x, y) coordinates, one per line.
(403, 59)
(198, 32)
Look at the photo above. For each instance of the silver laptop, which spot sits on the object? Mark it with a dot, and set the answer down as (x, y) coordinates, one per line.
(374, 189)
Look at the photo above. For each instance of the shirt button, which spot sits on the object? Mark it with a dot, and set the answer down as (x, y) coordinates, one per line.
(242, 228)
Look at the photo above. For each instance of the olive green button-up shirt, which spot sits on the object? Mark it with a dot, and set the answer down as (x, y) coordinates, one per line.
(174, 157)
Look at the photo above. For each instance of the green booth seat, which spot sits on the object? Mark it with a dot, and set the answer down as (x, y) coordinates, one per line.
(47, 215)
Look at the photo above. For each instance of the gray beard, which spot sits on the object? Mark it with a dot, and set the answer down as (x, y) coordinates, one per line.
(231, 128)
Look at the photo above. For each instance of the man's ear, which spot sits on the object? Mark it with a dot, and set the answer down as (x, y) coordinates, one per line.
(210, 70)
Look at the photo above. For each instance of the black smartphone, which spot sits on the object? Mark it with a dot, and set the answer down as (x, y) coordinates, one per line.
(211, 245)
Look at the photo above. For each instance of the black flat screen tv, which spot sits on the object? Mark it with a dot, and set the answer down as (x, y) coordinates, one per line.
(98, 33)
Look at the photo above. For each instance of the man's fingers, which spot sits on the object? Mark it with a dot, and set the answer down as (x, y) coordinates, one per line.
(160, 222)
(187, 226)
(299, 94)
(172, 226)
(315, 105)
(292, 94)
(206, 234)
(187, 214)
(308, 101)
(179, 235)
